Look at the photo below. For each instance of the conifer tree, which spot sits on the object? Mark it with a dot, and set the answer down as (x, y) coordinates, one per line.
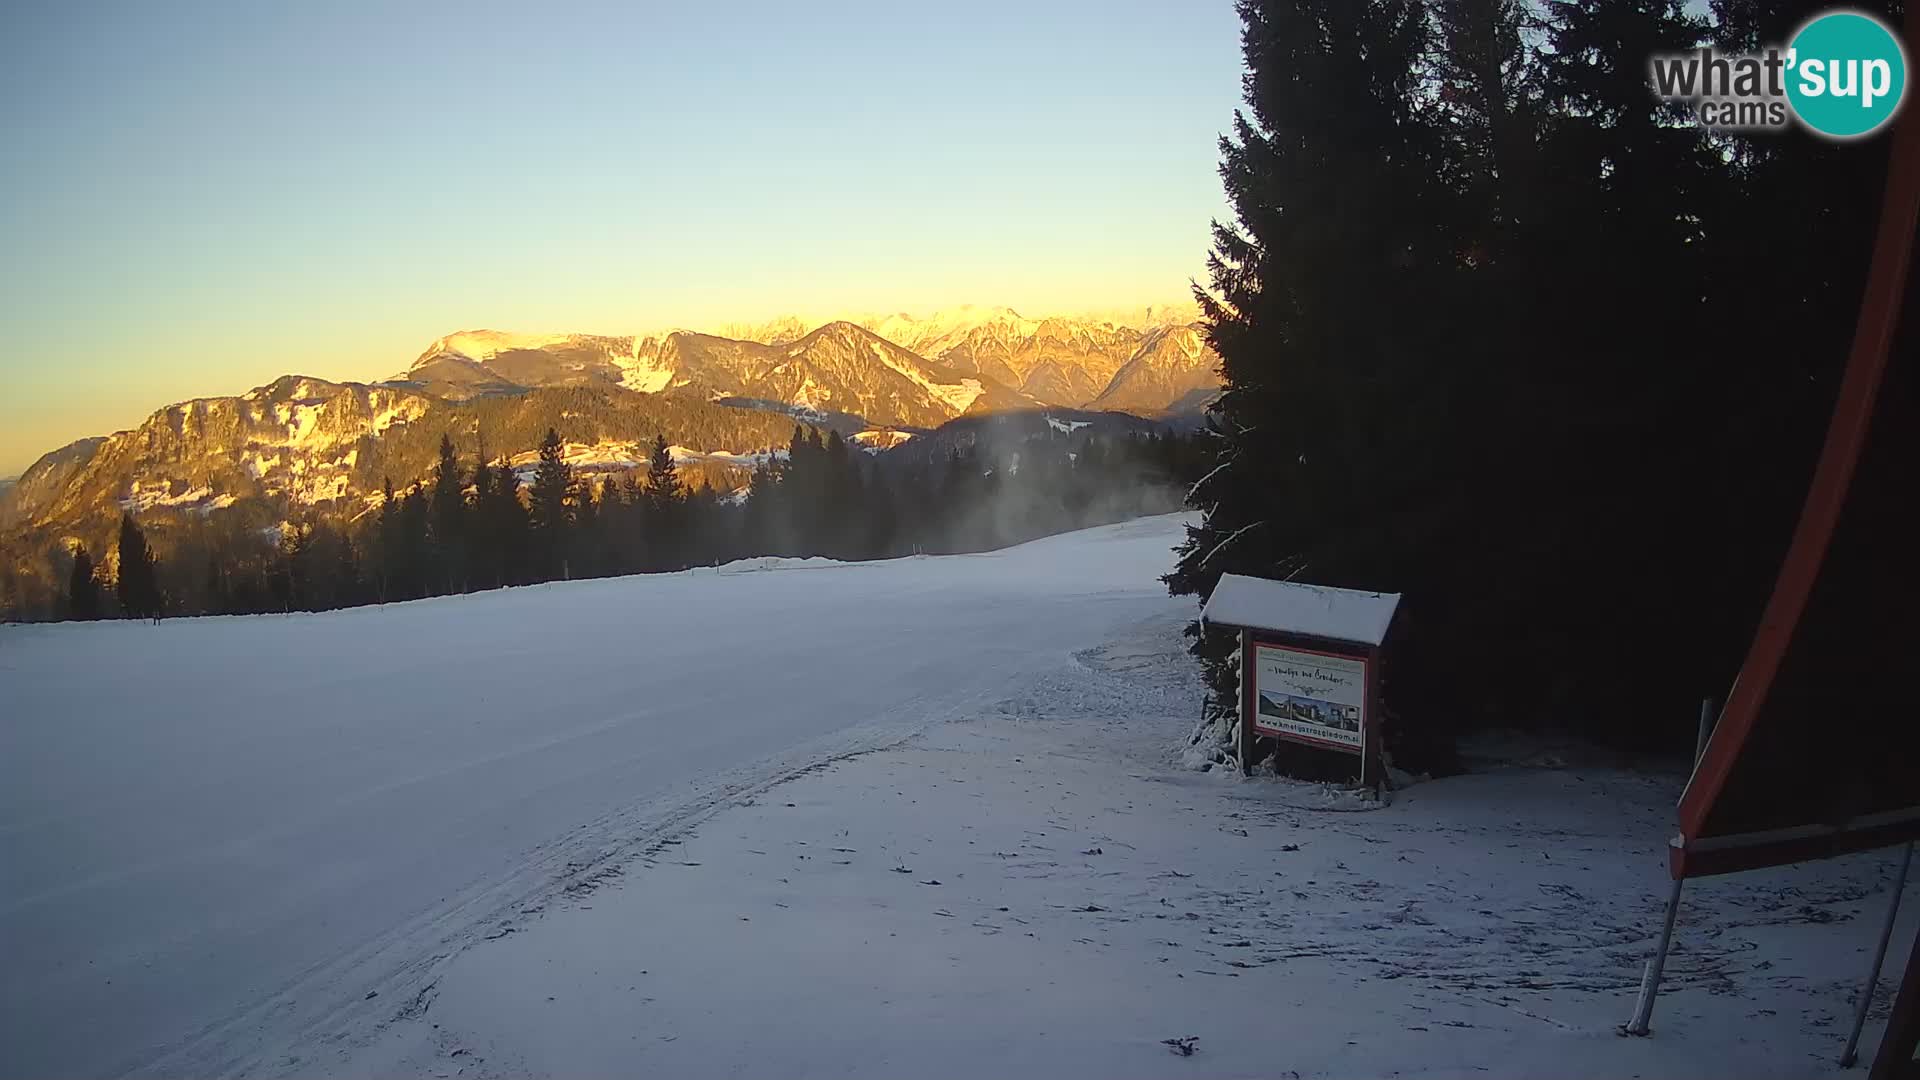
(414, 544)
(483, 542)
(882, 519)
(804, 492)
(1330, 174)
(547, 508)
(840, 498)
(10, 595)
(388, 545)
(665, 520)
(447, 522)
(83, 592)
(510, 526)
(1489, 82)
(214, 594)
(761, 527)
(613, 543)
(584, 548)
(664, 487)
(138, 586)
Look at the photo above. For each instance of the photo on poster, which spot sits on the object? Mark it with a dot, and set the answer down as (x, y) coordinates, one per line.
(1309, 710)
(1310, 697)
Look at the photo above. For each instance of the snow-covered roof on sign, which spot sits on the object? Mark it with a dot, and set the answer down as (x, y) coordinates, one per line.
(1292, 607)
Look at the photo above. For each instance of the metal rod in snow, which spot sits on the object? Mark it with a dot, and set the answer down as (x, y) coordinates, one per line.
(1650, 982)
(1879, 957)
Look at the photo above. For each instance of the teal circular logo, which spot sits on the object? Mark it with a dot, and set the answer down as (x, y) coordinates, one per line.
(1847, 74)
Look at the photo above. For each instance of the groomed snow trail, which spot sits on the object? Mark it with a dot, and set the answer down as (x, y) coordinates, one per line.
(223, 836)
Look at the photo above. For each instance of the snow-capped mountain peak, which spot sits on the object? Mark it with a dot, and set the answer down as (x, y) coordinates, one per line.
(925, 369)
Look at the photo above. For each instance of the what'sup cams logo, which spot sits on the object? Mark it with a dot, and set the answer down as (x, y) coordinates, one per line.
(1843, 76)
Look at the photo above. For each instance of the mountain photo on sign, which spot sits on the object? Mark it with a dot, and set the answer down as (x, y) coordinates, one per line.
(1016, 539)
(1308, 710)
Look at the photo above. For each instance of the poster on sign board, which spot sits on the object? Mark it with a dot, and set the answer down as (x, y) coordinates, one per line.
(1310, 697)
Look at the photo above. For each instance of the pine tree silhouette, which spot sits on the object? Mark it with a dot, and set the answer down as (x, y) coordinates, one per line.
(138, 585)
(547, 508)
(666, 496)
(511, 526)
(83, 592)
(447, 523)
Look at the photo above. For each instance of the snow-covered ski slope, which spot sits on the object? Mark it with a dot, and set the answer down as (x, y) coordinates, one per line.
(214, 832)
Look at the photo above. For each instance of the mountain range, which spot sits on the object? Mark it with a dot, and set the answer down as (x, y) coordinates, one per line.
(894, 370)
(718, 397)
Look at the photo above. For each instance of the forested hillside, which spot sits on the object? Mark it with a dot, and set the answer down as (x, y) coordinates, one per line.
(469, 523)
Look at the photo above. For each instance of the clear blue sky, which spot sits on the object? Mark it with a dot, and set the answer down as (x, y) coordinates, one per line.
(198, 198)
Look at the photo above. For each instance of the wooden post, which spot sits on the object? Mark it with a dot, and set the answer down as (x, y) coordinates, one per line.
(1247, 703)
(1373, 767)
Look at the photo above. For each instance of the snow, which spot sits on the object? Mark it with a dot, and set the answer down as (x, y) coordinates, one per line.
(1067, 427)
(878, 439)
(401, 410)
(919, 817)
(302, 423)
(486, 344)
(218, 833)
(956, 396)
(644, 375)
(646, 378)
(1298, 608)
(1032, 893)
(684, 454)
(605, 454)
(809, 396)
(258, 464)
(627, 454)
(933, 334)
(144, 497)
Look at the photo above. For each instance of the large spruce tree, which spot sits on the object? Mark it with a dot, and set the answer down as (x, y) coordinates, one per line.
(1316, 307)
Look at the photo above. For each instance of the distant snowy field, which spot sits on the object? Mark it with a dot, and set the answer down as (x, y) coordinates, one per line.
(918, 818)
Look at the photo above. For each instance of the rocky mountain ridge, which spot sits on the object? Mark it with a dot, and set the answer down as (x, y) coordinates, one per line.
(893, 369)
(313, 441)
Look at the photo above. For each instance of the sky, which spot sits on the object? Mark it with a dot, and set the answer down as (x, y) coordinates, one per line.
(195, 199)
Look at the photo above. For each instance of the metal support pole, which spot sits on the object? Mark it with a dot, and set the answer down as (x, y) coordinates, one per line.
(1879, 957)
(1650, 981)
(1706, 729)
